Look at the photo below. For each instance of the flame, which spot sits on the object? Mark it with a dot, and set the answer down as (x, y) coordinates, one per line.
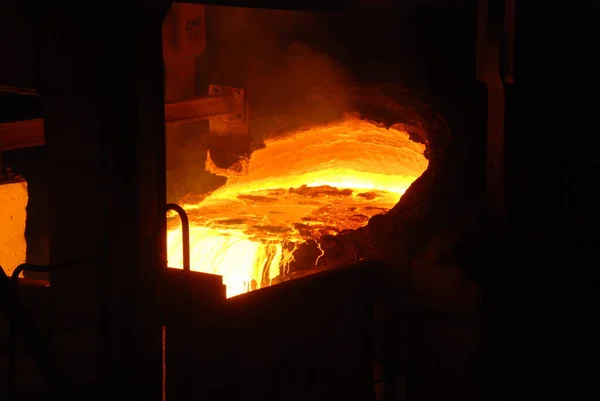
(299, 187)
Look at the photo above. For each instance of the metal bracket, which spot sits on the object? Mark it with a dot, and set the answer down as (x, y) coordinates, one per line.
(234, 123)
(224, 104)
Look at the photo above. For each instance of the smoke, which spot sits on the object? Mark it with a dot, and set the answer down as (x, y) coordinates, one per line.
(281, 58)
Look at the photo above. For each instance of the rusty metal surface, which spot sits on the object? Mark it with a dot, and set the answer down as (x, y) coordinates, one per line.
(21, 134)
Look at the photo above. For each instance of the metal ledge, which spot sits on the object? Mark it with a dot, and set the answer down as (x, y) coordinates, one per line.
(24, 134)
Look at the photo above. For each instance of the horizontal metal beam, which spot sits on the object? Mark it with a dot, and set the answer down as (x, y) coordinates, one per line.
(23, 134)
(323, 5)
(299, 5)
(201, 108)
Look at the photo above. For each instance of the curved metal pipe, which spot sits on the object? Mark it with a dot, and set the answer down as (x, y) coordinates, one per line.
(185, 233)
(186, 307)
(20, 322)
(47, 268)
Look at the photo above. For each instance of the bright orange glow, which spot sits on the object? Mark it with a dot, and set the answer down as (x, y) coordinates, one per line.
(300, 187)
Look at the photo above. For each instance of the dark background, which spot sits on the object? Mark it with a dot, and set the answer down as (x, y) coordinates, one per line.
(540, 292)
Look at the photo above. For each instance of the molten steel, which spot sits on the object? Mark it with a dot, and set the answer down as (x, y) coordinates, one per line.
(300, 187)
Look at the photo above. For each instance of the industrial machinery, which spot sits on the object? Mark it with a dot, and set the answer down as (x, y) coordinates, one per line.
(257, 202)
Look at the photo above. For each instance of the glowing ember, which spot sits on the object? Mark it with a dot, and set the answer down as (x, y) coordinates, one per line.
(300, 187)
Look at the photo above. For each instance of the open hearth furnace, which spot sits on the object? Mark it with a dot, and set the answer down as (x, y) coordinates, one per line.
(295, 198)
(250, 203)
(284, 204)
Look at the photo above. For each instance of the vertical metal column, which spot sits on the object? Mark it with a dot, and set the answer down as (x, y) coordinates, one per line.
(104, 127)
(495, 61)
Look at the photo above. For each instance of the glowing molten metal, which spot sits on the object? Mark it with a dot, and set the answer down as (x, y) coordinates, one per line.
(300, 187)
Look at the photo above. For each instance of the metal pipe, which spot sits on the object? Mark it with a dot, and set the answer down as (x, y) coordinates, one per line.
(12, 338)
(186, 307)
(185, 233)
(47, 268)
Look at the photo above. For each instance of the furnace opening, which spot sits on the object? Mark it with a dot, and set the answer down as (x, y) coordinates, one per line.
(300, 187)
(13, 216)
(281, 140)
